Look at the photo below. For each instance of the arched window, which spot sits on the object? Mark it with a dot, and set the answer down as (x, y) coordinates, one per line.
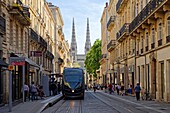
(160, 31)
(168, 26)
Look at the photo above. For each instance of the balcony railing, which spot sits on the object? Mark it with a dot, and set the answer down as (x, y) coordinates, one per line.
(124, 29)
(110, 23)
(42, 42)
(103, 56)
(152, 45)
(120, 4)
(34, 35)
(147, 10)
(2, 25)
(49, 55)
(168, 39)
(20, 12)
(111, 45)
(159, 42)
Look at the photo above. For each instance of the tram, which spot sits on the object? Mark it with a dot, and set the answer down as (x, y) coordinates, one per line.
(73, 85)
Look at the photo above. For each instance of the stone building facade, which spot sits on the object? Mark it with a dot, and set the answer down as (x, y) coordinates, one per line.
(28, 29)
(138, 45)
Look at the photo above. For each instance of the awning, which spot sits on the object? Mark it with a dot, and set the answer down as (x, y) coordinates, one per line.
(2, 63)
(56, 74)
(32, 63)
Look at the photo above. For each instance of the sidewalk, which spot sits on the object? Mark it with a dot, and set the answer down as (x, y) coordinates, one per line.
(32, 107)
(164, 107)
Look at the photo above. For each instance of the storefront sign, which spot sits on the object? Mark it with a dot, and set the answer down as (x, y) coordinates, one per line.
(10, 67)
(36, 53)
(18, 63)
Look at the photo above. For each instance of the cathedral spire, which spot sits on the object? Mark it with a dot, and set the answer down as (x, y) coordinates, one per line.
(73, 43)
(88, 43)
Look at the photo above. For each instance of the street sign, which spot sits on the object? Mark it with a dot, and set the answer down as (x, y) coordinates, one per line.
(10, 67)
(36, 53)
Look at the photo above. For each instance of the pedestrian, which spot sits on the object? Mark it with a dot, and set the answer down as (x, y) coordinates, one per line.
(118, 88)
(33, 91)
(122, 89)
(26, 91)
(137, 91)
(110, 88)
(59, 87)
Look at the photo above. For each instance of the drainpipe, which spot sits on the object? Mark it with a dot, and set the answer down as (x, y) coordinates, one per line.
(106, 42)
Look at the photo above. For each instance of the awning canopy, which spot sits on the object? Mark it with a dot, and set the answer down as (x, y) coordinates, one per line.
(2, 63)
(32, 63)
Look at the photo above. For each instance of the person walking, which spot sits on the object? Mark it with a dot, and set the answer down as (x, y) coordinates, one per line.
(33, 91)
(137, 91)
(26, 91)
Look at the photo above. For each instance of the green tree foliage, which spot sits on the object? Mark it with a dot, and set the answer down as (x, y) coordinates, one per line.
(92, 58)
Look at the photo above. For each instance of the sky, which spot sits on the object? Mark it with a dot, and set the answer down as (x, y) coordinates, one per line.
(80, 10)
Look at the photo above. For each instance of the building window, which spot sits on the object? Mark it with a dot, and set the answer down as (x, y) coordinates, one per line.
(137, 10)
(147, 39)
(168, 26)
(17, 37)
(11, 32)
(153, 35)
(141, 5)
(142, 42)
(22, 40)
(160, 31)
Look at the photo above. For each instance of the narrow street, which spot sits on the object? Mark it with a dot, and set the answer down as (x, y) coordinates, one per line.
(101, 102)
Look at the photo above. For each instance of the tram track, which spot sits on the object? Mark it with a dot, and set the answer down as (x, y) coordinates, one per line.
(125, 106)
(114, 110)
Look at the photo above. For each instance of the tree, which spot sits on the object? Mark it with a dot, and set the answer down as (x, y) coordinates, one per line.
(93, 57)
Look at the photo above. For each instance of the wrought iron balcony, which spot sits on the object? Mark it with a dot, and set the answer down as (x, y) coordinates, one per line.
(2, 25)
(49, 55)
(145, 13)
(159, 42)
(168, 39)
(152, 45)
(123, 31)
(42, 42)
(110, 23)
(103, 56)
(111, 45)
(34, 35)
(20, 12)
(120, 5)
